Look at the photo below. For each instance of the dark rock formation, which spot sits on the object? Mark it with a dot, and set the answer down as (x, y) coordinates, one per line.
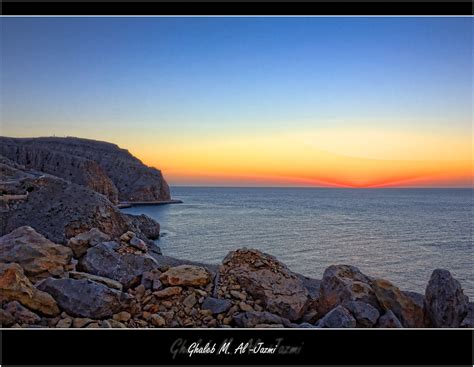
(445, 301)
(339, 317)
(100, 166)
(107, 260)
(84, 298)
(343, 283)
(389, 320)
(216, 305)
(366, 315)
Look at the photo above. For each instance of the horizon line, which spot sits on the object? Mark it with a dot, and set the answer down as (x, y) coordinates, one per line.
(325, 187)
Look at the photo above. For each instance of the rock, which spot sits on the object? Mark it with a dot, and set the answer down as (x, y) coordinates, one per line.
(419, 300)
(21, 314)
(6, 318)
(85, 298)
(253, 318)
(39, 257)
(391, 298)
(343, 283)
(186, 275)
(238, 295)
(80, 322)
(101, 166)
(148, 226)
(138, 244)
(93, 325)
(151, 280)
(281, 291)
(107, 281)
(157, 320)
(15, 286)
(167, 315)
(105, 261)
(366, 315)
(245, 307)
(306, 325)
(468, 321)
(127, 236)
(190, 300)
(80, 243)
(311, 316)
(216, 305)
(339, 317)
(168, 292)
(122, 316)
(64, 323)
(117, 324)
(445, 301)
(389, 320)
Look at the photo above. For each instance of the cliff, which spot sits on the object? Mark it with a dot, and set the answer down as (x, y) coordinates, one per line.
(100, 166)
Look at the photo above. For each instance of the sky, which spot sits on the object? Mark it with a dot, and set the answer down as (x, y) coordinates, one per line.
(239, 101)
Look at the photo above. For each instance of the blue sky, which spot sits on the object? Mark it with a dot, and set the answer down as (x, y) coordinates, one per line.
(194, 77)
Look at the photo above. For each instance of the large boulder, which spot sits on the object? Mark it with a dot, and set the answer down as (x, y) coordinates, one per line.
(339, 317)
(279, 290)
(80, 243)
(107, 260)
(366, 315)
(15, 286)
(445, 301)
(85, 298)
(186, 275)
(59, 210)
(342, 283)
(389, 321)
(468, 321)
(39, 257)
(148, 226)
(410, 313)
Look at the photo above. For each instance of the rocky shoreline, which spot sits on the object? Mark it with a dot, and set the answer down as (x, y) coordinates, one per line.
(69, 258)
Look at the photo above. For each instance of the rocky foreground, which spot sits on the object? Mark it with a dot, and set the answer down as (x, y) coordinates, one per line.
(94, 281)
(70, 258)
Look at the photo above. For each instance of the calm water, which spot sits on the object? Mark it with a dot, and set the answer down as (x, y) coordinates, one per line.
(398, 234)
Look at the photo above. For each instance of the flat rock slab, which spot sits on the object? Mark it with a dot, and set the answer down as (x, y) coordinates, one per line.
(85, 298)
(186, 275)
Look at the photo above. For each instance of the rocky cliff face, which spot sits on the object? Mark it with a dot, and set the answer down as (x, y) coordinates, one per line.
(59, 209)
(100, 166)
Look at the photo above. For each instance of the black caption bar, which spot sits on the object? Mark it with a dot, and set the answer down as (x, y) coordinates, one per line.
(292, 347)
(238, 8)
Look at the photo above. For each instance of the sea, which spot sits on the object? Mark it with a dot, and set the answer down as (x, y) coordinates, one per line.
(401, 235)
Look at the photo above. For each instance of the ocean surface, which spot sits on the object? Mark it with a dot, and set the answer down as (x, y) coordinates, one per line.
(399, 234)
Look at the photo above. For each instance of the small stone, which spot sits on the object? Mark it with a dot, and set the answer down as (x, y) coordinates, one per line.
(157, 320)
(64, 323)
(238, 295)
(216, 305)
(168, 292)
(127, 236)
(21, 314)
(201, 292)
(6, 318)
(138, 244)
(190, 301)
(245, 307)
(80, 322)
(93, 325)
(122, 316)
(117, 324)
(186, 275)
(105, 324)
